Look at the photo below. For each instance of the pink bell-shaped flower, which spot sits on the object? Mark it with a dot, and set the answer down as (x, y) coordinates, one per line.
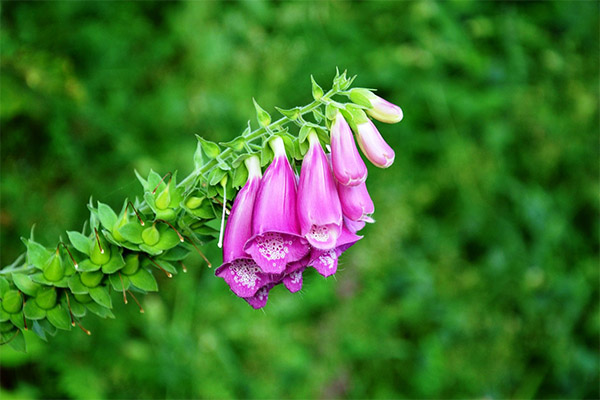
(259, 300)
(354, 226)
(276, 239)
(326, 261)
(239, 270)
(373, 146)
(319, 209)
(381, 109)
(348, 167)
(356, 202)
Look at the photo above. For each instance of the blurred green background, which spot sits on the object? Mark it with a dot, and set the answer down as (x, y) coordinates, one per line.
(480, 278)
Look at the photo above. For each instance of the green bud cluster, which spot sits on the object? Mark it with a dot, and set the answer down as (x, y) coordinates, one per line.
(50, 289)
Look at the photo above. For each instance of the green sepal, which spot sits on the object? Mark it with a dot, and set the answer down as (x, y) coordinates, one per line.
(132, 232)
(215, 176)
(236, 144)
(176, 254)
(39, 331)
(16, 341)
(101, 296)
(168, 240)
(360, 96)
(167, 266)
(291, 114)
(25, 284)
(317, 91)
(240, 176)
(211, 149)
(206, 231)
(108, 218)
(115, 263)
(36, 253)
(77, 308)
(150, 250)
(198, 157)
(132, 263)
(318, 115)
(48, 327)
(4, 286)
(266, 155)
(80, 242)
(100, 311)
(262, 116)
(76, 286)
(17, 320)
(87, 265)
(4, 316)
(115, 281)
(205, 211)
(33, 311)
(59, 317)
(41, 279)
(46, 298)
(144, 280)
(54, 269)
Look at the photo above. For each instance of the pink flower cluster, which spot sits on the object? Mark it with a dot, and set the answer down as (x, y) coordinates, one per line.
(280, 224)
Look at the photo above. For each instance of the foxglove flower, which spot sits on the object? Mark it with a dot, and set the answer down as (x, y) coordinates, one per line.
(356, 202)
(373, 146)
(354, 226)
(259, 300)
(348, 167)
(325, 261)
(276, 239)
(239, 270)
(292, 278)
(381, 109)
(319, 208)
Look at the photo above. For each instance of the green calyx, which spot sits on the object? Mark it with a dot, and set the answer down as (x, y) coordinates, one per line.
(163, 199)
(100, 251)
(54, 270)
(91, 279)
(132, 264)
(194, 202)
(150, 235)
(46, 298)
(12, 301)
(83, 298)
(124, 219)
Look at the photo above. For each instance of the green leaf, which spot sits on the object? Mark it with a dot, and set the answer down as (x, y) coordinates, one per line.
(144, 280)
(4, 286)
(87, 265)
(211, 149)
(168, 240)
(107, 216)
(167, 267)
(76, 286)
(59, 317)
(100, 311)
(150, 250)
(17, 342)
(319, 117)
(331, 111)
(33, 311)
(17, 320)
(262, 116)
(41, 279)
(304, 131)
(77, 308)
(25, 284)
(132, 232)
(39, 331)
(118, 283)
(115, 263)
(80, 242)
(37, 254)
(317, 92)
(101, 296)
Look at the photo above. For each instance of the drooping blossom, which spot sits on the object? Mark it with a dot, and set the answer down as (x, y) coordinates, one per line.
(381, 109)
(356, 202)
(292, 278)
(259, 300)
(373, 146)
(319, 208)
(276, 239)
(239, 270)
(326, 261)
(348, 166)
(354, 226)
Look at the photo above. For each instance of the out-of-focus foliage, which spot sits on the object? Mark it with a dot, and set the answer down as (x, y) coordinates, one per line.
(480, 278)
